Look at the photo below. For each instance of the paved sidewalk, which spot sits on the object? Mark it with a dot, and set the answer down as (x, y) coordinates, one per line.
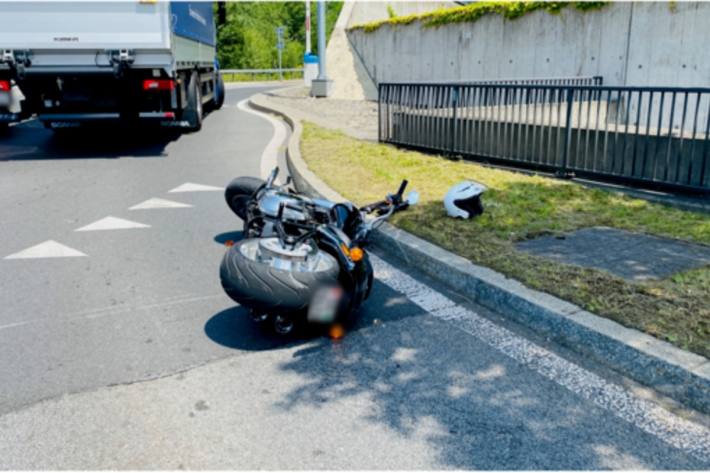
(357, 118)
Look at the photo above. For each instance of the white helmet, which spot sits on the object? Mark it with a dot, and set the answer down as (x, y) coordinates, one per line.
(464, 200)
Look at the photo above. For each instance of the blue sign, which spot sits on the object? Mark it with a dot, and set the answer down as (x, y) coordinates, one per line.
(194, 20)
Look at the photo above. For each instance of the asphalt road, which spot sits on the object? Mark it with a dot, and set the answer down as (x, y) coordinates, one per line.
(131, 356)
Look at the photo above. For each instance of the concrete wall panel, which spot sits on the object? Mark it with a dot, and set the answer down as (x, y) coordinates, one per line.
(654, 43)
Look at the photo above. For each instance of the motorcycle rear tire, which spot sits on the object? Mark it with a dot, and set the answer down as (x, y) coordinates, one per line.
(263, 288)
(238, 193)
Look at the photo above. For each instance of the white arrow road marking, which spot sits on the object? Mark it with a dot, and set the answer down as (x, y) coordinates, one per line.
(270, 156)
(156, 203)
(111, 223)
(191, 187)
(650, 417)
(48, 249)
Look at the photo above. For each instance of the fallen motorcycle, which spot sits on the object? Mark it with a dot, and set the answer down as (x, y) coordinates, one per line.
(302, 259)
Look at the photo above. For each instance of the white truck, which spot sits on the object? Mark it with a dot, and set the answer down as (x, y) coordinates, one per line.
(88, 61)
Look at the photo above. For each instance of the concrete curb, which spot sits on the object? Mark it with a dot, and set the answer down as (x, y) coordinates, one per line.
(679, 374)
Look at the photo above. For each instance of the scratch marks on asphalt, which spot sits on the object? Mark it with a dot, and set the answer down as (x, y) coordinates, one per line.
(156, 203)
(119, 309)
(47, 249)
(645, 415)
(111, 223)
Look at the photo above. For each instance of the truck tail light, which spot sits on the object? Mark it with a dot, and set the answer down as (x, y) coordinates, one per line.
(158, 84)
(4, 86)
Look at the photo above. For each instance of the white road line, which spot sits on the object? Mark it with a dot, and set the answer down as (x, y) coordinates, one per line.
(111, 223)
(647, 416)
(156, 203)
(192, 187)
(270, 156)
(47, 249)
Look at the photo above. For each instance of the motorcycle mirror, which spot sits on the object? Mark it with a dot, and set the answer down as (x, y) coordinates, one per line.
(413, 198)
(272, 177)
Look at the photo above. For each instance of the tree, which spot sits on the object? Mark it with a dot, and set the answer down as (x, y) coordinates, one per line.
(247, 38)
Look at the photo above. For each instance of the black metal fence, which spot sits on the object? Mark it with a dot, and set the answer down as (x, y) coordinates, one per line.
(579, 80)
(650, 136)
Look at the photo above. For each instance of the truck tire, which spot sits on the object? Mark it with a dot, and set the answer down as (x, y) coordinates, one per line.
(238, 193)
(266, 289)
(194, 109)
(219, 92)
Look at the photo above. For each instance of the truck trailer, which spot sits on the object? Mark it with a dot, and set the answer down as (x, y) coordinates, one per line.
(98, 61)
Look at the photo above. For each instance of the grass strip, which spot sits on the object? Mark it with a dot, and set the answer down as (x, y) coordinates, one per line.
(522, 206)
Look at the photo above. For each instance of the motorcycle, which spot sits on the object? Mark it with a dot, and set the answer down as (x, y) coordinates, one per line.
(302, 259)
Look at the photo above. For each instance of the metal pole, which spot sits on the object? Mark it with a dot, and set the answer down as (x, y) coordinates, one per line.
(321, 41)
(281, 72)
(308, 27)
(280, 47)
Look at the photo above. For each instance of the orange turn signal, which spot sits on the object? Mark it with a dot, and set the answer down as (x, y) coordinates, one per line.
(356, 254)
(336, 332)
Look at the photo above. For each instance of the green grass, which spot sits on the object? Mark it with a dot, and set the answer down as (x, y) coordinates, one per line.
(474, 11)
(518, 207)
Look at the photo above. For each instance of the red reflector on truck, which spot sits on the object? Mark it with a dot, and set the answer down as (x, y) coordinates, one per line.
(158, 84)
(4, 86)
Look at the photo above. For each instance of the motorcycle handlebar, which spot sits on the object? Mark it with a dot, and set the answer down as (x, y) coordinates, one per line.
(391, 200)
(402, 186)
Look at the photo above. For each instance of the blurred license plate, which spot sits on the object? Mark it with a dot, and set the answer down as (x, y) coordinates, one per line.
(324, 305)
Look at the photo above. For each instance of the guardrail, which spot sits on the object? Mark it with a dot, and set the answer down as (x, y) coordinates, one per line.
(648, 136)
(226, 73)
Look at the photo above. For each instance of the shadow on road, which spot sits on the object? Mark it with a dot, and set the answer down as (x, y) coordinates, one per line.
(30, 141)
(476, 408)
(233, 328)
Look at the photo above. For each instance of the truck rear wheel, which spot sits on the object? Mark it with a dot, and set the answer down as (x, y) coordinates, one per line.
(219, 92)
(193, 112)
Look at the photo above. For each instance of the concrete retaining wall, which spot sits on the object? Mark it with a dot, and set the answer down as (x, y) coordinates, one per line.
(654, 43)
(352, 79)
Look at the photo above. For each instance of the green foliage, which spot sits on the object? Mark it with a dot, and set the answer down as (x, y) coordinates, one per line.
(248, 39)
(390, 11)
(474, 11)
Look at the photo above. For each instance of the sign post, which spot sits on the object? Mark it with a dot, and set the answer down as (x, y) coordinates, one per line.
(320, 87)
(280, 48)
(308, 27)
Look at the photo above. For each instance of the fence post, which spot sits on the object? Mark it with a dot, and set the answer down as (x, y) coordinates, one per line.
(379, 112)
(562, 172)
(454, 105)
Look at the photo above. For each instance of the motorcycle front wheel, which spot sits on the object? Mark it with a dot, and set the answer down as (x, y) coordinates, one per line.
(238, 193)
